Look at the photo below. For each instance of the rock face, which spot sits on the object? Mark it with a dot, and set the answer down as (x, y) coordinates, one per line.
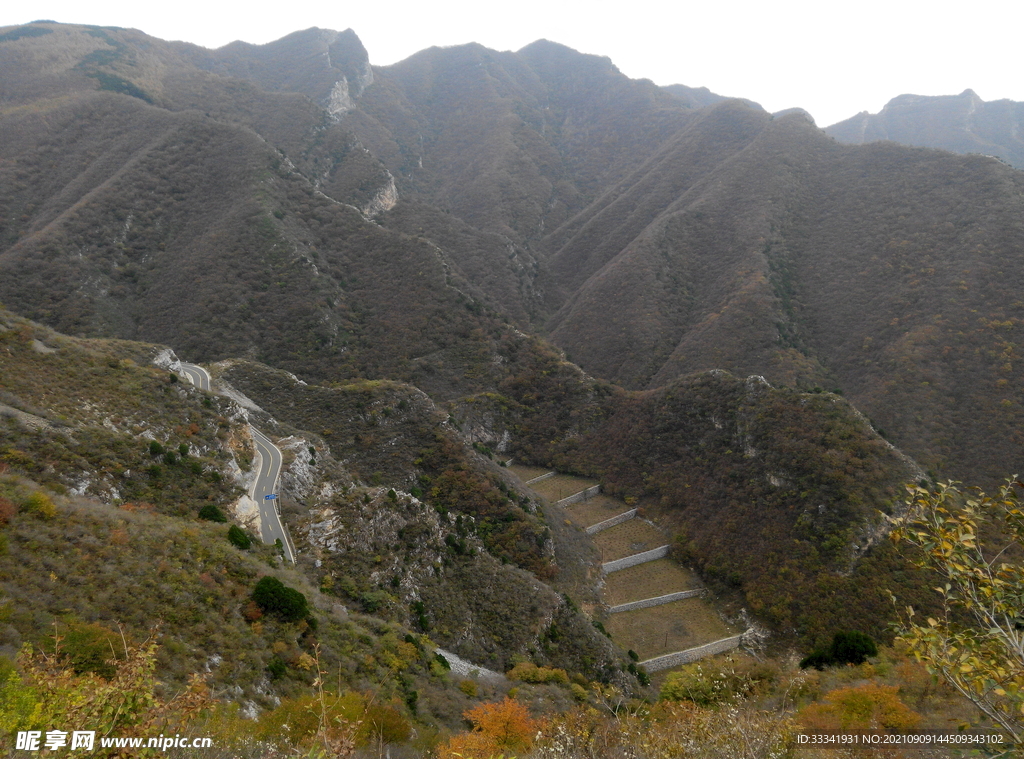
(331, 68)
(247, 512)
(385, 199)
(961, 123)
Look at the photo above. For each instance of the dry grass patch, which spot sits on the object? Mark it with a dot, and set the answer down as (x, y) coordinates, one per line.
(668, 628)
(595, 510)
(655, 578)
(562, 486)
(628, 538)
(526, 473)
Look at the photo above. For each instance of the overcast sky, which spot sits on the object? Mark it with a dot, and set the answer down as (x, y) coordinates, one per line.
(832, 59)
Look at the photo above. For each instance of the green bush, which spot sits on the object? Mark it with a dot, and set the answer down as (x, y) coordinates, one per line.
(274, 597)
(277, 668)
(852, 647)
(212, 513)
(848, 647)
(238, 537)
(88, 647)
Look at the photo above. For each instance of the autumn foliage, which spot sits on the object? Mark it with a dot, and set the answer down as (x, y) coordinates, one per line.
(867, 707)
(503, 727)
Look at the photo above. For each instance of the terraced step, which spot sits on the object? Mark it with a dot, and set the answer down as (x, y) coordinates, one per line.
(655, 605)
(595, 510)
(613, 522)
(646, 603)
(667, 629)
(628, 538)
(637, 558)
(655, 578)
(562, 486)
(527, 473)
(688, 655)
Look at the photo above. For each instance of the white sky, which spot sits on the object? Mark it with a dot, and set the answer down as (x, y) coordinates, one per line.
(831, 59)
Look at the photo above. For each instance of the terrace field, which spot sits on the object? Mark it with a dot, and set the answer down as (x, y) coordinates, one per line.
(655, 578)
(668, 628)
(595, 510)
(628, 538)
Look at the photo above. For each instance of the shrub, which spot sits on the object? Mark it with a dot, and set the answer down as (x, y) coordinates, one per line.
(866, 707)
(505, 727)
(43, 693)
(274, 597)
(238, 537)
(528, 672)
(155, 449)
(277, 667)
(848, 647)
(7, 510)
(710, 685)
(40, 504)
(88, 647)
(212, 513)
(372, 600)
(852, 647)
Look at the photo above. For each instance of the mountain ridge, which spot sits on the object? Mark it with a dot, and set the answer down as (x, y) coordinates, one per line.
(961, 123)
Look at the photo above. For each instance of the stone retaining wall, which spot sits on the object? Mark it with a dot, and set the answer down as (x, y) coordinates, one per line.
(464, 668)
(656, 601)
(580, 496)
(691, 654)
(637, 558)
(606, 524)
(542, 477)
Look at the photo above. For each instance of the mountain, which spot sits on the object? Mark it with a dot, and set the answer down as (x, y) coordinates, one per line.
(887, 272)
(581, 270)
(961, 123)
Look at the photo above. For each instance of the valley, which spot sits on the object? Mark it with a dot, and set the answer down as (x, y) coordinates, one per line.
(575, 392)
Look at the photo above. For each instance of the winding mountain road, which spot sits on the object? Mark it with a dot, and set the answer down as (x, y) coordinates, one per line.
(197, 375)
(268, 469)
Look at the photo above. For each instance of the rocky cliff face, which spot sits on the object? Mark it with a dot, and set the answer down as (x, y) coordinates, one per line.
(331, 68)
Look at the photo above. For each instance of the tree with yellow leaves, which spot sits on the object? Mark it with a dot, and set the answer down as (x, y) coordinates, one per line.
(502, 728)
(975, 543)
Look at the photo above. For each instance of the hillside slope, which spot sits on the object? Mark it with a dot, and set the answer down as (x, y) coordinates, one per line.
(887, 272)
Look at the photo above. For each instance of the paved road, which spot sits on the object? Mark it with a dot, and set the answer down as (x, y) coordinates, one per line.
(197, 375)
(265, 484)
(269, 461)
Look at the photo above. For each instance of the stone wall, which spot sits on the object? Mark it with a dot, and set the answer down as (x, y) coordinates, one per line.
(606, 524)
(542, 477)
(691, 654)
(580, 496)
(656, 601)
(637, 558)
